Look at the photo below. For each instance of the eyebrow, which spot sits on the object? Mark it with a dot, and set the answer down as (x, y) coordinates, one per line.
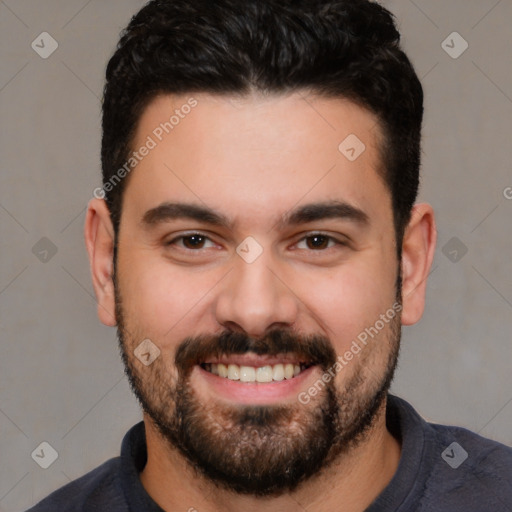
(173, 211)
(311, 212)
(325, 210)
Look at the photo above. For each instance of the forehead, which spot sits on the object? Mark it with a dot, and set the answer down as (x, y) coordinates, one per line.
(257, 154)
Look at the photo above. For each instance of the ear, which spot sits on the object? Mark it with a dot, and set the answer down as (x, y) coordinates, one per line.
(99, 239)
(418, 249)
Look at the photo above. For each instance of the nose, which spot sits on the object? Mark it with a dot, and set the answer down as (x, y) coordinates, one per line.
(254, 297)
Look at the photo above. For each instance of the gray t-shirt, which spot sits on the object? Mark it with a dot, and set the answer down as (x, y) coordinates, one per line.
(441, 469)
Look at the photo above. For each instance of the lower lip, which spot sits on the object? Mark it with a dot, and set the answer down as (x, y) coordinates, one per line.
(254, 392)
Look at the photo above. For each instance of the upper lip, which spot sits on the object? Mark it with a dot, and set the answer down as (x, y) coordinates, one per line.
(254, 360)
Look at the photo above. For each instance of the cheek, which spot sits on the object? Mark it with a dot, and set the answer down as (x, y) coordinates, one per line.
(160, 299)
(349, 300)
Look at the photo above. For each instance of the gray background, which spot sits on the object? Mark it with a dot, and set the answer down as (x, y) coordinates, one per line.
(61, 379)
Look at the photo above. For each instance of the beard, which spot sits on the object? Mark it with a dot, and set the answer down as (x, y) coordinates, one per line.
(261, 450)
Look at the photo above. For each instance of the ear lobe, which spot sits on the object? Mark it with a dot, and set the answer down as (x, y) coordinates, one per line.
(99, 240)
(418, 248)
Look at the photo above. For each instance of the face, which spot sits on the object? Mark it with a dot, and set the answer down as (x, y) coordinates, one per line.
(260, 260)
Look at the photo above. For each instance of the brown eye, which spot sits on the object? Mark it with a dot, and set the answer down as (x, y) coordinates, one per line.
(317, 241)
(320, 242)
(191, 242)
(194, 241)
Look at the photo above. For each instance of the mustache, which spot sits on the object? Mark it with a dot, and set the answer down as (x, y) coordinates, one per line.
(314, 349)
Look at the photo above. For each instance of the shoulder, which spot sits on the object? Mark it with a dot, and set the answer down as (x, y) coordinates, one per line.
(447, 468)
(476, 454)
(93, 491)
(469, 469)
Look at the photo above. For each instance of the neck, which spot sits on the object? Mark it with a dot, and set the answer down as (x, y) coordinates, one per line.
(356, 479)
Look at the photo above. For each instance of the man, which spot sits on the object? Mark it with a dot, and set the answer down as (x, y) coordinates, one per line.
(257, 244)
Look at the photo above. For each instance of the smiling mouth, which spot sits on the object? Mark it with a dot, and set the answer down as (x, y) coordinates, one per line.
(259, 374)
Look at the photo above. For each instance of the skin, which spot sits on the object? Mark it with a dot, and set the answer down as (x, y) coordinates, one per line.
(254, 160)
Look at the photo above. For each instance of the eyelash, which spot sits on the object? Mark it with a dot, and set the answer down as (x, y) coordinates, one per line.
(309, 235)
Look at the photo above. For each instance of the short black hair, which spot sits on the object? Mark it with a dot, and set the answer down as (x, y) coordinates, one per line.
(334, 48)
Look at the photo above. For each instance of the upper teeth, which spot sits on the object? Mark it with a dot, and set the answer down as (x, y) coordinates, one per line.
(269, 373)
